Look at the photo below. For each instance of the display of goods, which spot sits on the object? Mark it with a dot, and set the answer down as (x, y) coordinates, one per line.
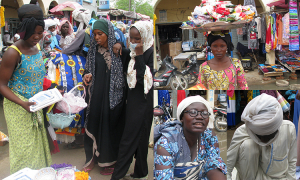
(222, 11)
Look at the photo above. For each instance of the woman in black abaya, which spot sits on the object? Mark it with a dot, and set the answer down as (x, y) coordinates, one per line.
(105, 114)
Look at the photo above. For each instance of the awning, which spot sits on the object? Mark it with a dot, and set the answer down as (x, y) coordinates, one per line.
(144, 17)
(120, 12)
(66, 6)
(279, 3)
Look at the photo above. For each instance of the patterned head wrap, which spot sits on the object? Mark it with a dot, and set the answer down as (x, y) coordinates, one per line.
(30, 16)
(213, 36)
(116, 73)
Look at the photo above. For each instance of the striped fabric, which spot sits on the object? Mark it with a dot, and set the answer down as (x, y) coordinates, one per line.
(294, 31)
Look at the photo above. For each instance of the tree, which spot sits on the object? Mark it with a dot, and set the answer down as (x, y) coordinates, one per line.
(143, 7)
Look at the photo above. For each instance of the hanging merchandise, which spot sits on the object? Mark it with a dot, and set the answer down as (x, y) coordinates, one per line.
(286, 29)
(253, 36)
(280, 29)
(258, 22)
(263, 29)
(274, 34)
(294, 31)
(268, 34)
(2, 18)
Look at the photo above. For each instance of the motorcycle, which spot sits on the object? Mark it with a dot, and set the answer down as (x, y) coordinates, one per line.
(170, 76)
(192, 72)
(220, 122)
(162, 113)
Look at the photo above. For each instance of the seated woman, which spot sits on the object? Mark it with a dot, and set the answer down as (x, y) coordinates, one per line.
(222, 72)
(187, 149)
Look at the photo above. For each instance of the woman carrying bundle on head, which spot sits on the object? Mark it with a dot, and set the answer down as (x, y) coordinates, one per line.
(222, 72)
(22, 74)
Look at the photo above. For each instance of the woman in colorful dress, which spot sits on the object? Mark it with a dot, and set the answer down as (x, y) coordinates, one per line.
(22, 74)
(105, 114)
(222, 72)
(186, 149)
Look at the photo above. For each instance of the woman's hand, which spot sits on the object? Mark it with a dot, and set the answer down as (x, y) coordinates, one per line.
(117, 49)
(87, 78)
(26, 105)
(139, 49)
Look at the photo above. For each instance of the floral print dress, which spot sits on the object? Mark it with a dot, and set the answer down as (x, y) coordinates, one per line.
(175, 144)
(229, 79)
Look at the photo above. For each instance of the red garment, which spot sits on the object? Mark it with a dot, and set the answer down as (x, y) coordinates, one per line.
(180, 96)
(46, 84)
(268, 35)
(56, 148)
(230, 93)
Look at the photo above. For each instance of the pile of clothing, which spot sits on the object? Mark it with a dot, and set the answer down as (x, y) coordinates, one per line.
(271, 68)
(211, 11)
(292, 58)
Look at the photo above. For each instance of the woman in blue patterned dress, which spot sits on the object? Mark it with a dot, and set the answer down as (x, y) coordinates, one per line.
(186, 149)
(22, 74)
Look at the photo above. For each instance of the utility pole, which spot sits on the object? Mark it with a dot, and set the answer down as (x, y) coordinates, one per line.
(129, 5)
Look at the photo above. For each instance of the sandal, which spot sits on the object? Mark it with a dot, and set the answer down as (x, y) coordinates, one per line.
(107, 171)
(86, 169)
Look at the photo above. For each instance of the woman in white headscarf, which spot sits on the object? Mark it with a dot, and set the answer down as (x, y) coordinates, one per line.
(139, 113)
(51, 27)
(188, 149)
(265, 146)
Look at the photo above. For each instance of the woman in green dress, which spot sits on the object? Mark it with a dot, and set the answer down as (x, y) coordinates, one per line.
(22, 74)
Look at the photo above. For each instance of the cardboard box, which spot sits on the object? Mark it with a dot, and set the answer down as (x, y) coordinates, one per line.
(170, 49)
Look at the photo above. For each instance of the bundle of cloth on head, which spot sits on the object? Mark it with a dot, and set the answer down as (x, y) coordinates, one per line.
(194, 99)
(224, 35)
(30, 16)
(64, 21)
(83, 16)
(113, 62)
(145, 29)
(262, 116)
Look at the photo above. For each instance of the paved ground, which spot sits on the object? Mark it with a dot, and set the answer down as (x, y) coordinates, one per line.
(256, 82)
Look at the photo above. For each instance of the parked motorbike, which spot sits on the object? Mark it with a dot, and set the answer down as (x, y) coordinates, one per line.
(170, 76)
(220, 122)
(192, 72)
(162, 113)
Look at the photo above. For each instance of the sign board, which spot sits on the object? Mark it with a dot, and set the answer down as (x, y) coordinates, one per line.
(88, 1)
(79, 2)
(103, 4)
